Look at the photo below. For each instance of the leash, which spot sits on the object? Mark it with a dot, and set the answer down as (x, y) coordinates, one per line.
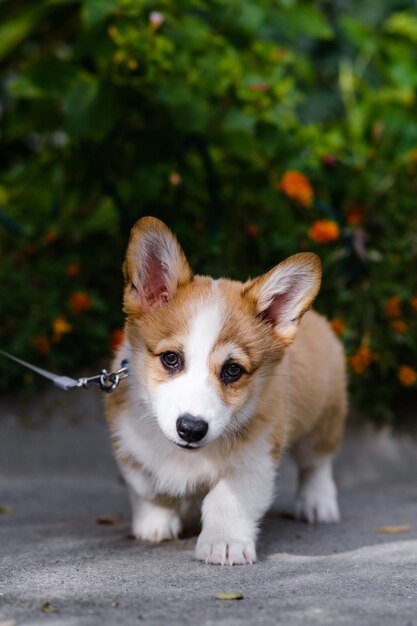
(107, 382)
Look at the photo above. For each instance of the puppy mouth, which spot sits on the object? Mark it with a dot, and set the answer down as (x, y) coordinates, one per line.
(188, 446)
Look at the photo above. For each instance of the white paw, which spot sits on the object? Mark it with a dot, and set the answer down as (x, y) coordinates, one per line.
(156, 524)
(317, 502)
(219, 550)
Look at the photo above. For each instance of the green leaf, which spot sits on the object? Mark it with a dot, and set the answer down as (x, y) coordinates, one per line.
(312, 22)
(23, 87)
(403, 73)
(358, 33)
(304, 20)
(78, 106)
(94, 11)
(237, 120)
(251, 16)
(403, 24)
(104, 219)
(18, 27)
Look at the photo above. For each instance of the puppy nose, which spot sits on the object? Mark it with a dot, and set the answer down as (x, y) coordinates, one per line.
(190, 428)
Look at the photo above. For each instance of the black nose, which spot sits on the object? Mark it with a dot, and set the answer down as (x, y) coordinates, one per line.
(190, 428)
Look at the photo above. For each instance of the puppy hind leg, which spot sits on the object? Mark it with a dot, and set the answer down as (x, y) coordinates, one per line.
(316, 499)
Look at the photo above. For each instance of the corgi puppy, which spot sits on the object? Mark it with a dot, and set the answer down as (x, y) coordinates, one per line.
(223, 376)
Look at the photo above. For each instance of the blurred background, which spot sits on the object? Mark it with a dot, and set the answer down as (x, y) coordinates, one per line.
(254, 128)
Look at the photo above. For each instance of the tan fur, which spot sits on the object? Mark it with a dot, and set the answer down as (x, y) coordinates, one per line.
(312, 375)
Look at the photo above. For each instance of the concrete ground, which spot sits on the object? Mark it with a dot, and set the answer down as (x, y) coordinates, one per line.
(58, 566)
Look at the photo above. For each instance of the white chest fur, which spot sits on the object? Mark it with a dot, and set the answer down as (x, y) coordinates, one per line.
(172, 471)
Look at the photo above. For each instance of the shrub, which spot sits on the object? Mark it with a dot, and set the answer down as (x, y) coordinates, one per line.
(254, 128)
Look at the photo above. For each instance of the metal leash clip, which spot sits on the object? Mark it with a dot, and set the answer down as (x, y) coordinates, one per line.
(107, 382)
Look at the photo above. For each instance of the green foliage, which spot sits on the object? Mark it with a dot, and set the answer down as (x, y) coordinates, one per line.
(193, 111)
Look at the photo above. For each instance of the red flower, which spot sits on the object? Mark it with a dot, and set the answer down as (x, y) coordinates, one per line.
(73, 270)
(355, 214)
(253, 230)
(50, 236)
(80, 302)
(393, 307)
(42, 344)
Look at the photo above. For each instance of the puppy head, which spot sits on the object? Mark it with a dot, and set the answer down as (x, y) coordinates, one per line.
(201, 349)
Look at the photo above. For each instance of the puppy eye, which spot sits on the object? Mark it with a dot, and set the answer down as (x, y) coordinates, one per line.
(231, 372)
(171, 360)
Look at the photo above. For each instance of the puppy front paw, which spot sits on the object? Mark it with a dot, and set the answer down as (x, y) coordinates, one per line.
(156, 524)
(217, 549)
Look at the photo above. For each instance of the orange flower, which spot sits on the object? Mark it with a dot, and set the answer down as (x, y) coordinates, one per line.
(175, 179)
(253, 230)
(278, 54)
(338, 326)
(393, 307)
(261, 87)
(50, 236)
(297, 187)
(42, 344)
(354, 214)
(407, 375)
(361, 360)
(116, 339)
(324, 231)
(29, 250)
(73, 270)
(413, 303)
(60, 327)
(80, 302)
(399, 326)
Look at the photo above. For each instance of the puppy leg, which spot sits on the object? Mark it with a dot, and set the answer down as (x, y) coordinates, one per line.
(317, 494)
(154, 517)
(316, 499)
(231, 512)
(152, 520)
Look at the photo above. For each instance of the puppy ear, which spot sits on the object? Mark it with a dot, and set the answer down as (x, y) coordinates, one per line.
(155, 266)
(285, 293)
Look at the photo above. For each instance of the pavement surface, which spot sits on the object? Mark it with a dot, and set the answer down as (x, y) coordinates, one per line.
(59, 566)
